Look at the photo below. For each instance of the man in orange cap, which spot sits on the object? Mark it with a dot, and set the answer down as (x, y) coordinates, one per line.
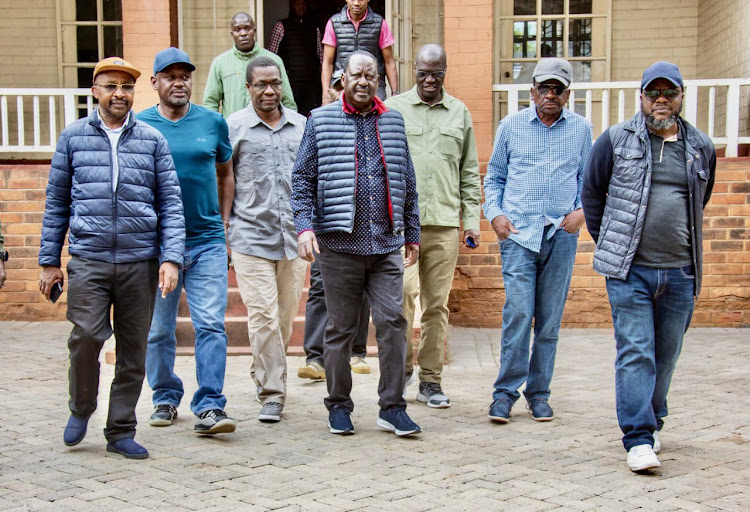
(113, 185)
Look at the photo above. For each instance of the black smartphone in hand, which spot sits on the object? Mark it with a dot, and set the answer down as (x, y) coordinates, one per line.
(56, 292)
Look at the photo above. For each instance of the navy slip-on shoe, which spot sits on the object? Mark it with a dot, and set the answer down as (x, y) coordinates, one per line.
(75, 430)
(128, 448)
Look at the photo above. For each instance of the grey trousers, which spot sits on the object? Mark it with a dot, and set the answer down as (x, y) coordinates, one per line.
(316, 318)
(345, 278)
(129, 290)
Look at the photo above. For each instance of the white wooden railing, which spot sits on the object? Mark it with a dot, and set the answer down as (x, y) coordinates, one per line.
(47, 105)
(730, 90)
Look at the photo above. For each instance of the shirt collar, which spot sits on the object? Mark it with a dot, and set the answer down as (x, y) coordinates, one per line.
(114, 130)
(533, 115)
(254, 119)
(414, 98)
(356, 23)
(379, 108)
(247, 55)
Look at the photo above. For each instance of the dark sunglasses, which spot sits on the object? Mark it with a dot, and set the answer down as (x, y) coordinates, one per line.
(653, 94)
(545, 88)
(435, 74)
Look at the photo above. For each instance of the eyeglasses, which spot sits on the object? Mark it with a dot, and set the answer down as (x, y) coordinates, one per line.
(544, 89)
(437, 75)
(262, 86)
(111, 88)
(669, 94)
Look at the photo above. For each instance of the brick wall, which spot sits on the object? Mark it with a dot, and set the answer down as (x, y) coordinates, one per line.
(477, 296)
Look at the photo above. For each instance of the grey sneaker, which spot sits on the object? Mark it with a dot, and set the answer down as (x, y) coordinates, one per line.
(270, 412)
(163, 416)
(432, 395)
(214, 421)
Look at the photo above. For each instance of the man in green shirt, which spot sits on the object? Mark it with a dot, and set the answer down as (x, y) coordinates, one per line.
(441, 139)
(225, 86)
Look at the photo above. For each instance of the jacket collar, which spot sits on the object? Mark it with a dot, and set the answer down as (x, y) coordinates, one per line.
(412, 96)
(247, 55)
(345, 13)
(637, 125)
(253, 119)
(379, 107)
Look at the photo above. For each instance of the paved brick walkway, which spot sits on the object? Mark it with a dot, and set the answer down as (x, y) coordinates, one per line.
(460, 462)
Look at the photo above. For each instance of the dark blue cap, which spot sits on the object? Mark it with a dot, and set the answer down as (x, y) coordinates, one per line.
(166, 58)
(662, 69)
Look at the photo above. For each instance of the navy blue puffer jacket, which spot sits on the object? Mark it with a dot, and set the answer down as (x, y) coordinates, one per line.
(142, 218)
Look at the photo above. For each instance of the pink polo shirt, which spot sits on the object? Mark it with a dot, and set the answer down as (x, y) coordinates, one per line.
(386, 36)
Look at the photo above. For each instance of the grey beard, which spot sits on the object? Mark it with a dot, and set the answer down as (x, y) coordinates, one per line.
(664, 124)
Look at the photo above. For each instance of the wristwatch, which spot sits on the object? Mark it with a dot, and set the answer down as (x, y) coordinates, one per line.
(4, 256)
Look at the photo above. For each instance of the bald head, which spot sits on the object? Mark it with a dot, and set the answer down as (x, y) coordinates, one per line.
(243, 31)
(433, 53)
(430, 66)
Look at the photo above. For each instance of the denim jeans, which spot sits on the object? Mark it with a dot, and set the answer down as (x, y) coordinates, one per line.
(204, 277)
(536, 286)
(651, 310)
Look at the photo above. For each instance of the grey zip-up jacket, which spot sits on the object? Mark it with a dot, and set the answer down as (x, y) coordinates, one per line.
(616, 190)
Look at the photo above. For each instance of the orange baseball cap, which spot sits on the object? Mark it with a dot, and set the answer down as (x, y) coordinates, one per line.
(116, 64)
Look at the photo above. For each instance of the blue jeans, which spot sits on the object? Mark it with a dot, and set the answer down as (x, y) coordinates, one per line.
(651, 311)
(204, 276)
(536, 286)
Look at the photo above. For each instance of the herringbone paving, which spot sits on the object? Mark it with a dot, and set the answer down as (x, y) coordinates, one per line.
(461, 461)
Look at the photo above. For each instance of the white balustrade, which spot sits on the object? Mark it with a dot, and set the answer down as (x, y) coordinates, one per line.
(731, 89)
(64, 100)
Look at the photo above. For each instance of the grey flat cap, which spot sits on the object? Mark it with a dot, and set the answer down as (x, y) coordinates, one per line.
(553, 69)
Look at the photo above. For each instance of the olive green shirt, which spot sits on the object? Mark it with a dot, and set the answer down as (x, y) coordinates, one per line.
(225, 85)
(442, 146)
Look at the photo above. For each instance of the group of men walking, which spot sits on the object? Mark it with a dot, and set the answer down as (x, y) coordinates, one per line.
(374, 194)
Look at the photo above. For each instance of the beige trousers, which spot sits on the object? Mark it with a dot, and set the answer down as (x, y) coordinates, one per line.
(431, 278)
(270, 290)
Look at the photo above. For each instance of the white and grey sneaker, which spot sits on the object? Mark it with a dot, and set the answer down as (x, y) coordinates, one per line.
(270, 412)
(214, 421)
(432, 395)
(409, 379)
(642, 457)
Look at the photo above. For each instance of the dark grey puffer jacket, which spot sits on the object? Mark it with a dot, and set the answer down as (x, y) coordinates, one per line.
(140, 220)
(336, 139)
(616, 190)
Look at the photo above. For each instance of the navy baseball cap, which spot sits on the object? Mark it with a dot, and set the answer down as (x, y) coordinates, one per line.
(166, 58)
(662, 69)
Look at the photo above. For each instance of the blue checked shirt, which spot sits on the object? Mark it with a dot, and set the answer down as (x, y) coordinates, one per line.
(535, 174)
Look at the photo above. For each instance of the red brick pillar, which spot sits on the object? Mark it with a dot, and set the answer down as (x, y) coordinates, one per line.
(146, 31)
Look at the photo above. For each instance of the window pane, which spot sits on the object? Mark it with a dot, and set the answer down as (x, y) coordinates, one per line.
(524, 7)
(86, 46)
(112, 10)
(552, 7)
(85, 10)
(552, 38)
(85, 77)
(524, 39)
(112, 42)
(581, 71)
(579, 38)
(580, 6)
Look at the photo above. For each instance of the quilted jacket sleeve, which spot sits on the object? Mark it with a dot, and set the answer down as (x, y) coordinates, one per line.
(169, 206)
(57, 208)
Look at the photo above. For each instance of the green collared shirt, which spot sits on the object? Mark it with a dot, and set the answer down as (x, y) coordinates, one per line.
(442, 146)
(225, 85)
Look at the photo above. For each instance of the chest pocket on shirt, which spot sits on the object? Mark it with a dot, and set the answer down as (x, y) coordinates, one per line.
(293, 148)
(251, 162)
(451, 142)
(413, 130)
